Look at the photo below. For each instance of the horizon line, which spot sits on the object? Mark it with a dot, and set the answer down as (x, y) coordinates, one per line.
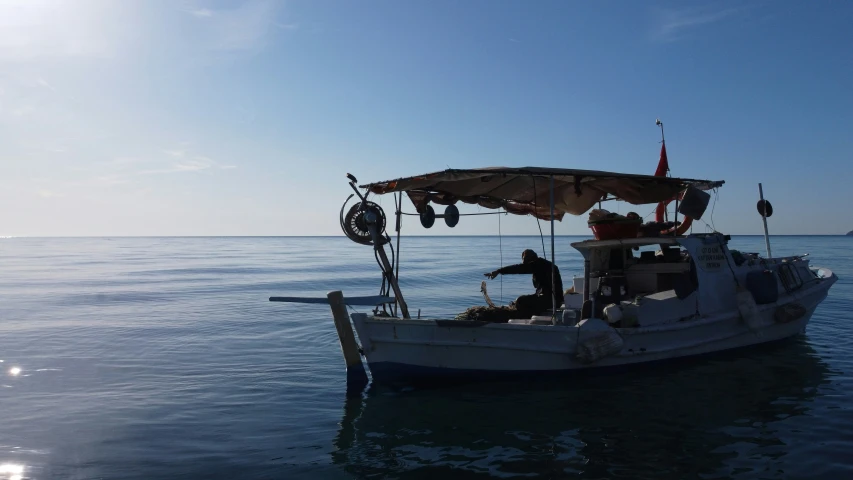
(7, 237)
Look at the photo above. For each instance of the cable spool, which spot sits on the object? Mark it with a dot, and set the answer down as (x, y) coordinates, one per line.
(428, 217)
(451, 216)
(355, 222)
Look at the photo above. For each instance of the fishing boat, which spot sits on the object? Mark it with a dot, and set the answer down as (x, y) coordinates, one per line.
(650, 292)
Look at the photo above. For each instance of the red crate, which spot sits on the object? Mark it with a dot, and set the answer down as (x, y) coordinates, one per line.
(615, 230)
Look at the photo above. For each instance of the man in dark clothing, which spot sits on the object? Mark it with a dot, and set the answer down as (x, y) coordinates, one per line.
(529, 305)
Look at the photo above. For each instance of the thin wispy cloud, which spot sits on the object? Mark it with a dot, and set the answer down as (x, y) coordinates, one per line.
(201, 12)
(129, 169)
(673, 24)
(48, 193)
(22, 110)
(245, 27)
(125, 161)
(192, 165)
(44, 84)
(100, 181)
(175, 153)
(108, 180)
(185, 160)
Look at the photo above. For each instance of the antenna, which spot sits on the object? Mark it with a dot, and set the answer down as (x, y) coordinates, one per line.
(665, 173)
(660, 124)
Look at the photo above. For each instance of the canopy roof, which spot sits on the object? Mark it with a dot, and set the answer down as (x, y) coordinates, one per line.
(525, 190)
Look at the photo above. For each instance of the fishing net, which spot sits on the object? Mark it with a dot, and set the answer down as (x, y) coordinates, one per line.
(482, 313)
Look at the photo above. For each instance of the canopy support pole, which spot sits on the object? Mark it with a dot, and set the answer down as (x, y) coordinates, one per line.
(675, 228)
(586, 294)
(399, 226)
(553, 259)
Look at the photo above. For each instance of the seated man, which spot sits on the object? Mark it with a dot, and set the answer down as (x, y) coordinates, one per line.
(529, 305)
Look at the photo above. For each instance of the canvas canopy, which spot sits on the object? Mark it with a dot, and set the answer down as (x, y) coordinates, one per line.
(526, 190)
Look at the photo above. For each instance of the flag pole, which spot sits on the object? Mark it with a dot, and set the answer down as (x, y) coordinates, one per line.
(663, 147)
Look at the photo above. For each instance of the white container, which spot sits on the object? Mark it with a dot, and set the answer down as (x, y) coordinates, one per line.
(577, 282)
(573, 300)
(570, 317)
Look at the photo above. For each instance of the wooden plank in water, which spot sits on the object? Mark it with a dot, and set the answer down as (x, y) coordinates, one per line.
(363, 301)
(356, 376)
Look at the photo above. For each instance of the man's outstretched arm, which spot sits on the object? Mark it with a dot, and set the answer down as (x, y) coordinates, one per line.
(512, 269)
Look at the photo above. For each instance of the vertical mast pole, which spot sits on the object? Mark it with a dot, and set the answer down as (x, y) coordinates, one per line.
(764, 219)
(399, 227)
(553, 260)
(675, 228)
(399, 209)
(663, 143)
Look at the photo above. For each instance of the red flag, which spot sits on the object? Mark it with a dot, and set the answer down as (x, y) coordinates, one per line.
(663, 164)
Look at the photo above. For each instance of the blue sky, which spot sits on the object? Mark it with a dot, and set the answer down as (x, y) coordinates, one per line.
(242, 118)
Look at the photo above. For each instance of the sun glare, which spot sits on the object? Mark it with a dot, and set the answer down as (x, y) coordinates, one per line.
(14, 471)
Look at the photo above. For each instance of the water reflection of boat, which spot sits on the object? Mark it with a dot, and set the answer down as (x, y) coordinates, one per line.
(662, 423)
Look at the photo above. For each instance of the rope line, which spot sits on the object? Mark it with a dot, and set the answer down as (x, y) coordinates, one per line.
(501, 247)
(716, 197)
(535, 208)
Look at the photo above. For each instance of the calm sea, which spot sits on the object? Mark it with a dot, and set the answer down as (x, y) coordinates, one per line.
(154, 358)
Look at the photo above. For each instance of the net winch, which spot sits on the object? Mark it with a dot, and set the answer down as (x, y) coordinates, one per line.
(364, 223)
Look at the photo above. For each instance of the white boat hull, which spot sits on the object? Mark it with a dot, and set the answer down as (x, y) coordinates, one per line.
(405, 349)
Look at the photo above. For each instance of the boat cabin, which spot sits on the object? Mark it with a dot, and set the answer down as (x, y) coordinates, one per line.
(643, 282)
(647, 281)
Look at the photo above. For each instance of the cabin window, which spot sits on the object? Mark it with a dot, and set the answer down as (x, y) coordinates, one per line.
(790, 277)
